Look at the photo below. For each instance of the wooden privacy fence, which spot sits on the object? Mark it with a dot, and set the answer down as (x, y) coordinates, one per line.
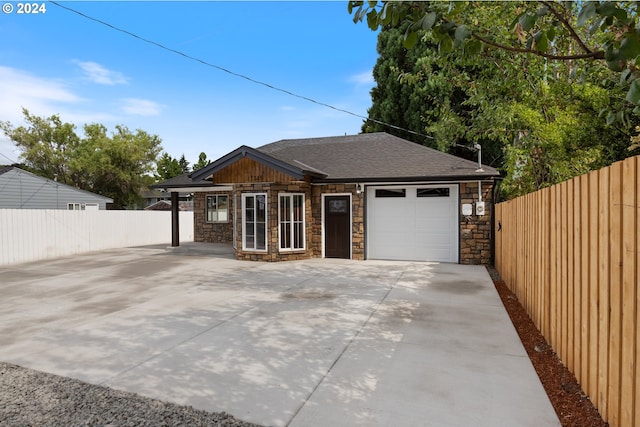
(571, 253)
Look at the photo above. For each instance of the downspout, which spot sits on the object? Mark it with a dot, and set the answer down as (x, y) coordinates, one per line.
(479, 148)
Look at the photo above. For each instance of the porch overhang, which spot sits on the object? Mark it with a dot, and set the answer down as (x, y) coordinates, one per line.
(198, 189)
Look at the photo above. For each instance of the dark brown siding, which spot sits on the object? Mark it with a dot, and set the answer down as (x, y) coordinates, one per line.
(247, 171)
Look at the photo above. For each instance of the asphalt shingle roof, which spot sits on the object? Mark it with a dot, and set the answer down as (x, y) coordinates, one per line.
(368, 157)
(374, 156)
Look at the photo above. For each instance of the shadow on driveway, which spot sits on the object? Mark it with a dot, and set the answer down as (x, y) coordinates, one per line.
(308, 343)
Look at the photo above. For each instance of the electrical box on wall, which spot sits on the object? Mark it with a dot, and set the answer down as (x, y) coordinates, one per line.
(467, 209)
(479, 208)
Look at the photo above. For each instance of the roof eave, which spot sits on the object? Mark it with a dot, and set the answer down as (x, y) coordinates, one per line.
(487, 177)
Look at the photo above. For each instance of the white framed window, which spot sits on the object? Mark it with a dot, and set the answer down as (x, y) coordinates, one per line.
(291, 222)
(75, 206)
(254, 222)
(218, 208)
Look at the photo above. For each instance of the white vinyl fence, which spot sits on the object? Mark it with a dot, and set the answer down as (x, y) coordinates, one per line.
(35, 234)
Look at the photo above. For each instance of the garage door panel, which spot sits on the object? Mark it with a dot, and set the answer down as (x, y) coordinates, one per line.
(413, 228)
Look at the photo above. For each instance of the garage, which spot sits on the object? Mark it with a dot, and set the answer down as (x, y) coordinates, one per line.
(412, 222)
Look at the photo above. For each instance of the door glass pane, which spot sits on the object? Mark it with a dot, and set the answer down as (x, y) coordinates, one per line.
(261, 210)
(337, 206)
(261, 236)
(285, 236)
(298, 205)
(298, 235)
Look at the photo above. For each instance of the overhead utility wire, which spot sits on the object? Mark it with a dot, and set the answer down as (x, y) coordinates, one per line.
(242, 76)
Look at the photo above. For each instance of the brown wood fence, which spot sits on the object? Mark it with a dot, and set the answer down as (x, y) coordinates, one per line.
(571, 253)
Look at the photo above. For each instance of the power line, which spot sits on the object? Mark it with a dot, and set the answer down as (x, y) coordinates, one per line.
(8, 158)
(233, 73)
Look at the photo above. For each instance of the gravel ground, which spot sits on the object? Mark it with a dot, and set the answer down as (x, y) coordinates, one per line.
(32, 398)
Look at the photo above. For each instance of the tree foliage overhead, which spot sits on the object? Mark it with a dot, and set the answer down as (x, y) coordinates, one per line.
(590, 32)
(115, 165)
(540, 120)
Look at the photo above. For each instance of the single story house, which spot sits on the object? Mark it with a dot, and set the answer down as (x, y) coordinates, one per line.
(20, 189)
(367, 196)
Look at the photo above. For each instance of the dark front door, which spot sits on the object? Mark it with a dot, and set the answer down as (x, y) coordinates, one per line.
(337, 231)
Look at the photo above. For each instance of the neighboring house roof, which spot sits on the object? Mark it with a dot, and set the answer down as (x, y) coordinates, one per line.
(165, 205)
(162, 205)
(6, 169)
(369, 157)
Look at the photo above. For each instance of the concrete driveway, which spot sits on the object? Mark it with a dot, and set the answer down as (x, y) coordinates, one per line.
(308, 343)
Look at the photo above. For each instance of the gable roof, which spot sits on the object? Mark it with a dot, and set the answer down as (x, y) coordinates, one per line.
(369, 157)
(5, 169)
(375, 157)
(292, 168)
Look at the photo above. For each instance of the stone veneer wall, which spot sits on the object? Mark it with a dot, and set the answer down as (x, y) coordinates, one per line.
(273, 253)
(357, 215)
(475, 231)
(211, 232)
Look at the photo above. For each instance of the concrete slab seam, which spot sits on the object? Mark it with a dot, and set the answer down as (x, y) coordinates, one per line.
(346, 347)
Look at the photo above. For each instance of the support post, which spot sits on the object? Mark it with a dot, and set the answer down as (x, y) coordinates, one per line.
(175, 219)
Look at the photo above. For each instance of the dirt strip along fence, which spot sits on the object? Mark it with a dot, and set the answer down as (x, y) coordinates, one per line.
(36, 234)
(570, 253)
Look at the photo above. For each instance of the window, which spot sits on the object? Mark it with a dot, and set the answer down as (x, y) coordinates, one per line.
(433, 192)
(391, 192)
(291, 222)
(254, 221)
(218, 208)
(75, 206)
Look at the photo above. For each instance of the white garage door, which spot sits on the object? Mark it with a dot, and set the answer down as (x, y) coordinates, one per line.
(414, 223)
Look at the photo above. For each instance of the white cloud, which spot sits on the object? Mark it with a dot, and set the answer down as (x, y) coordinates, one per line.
(41, 96)
(365, 78)
(101, 75)
(141, 107)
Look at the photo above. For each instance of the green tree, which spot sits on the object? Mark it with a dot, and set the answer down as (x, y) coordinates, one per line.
(202, 162)
(588, 32)
(184, 165)
(538, 122)
(167, 167)
(47, 145)
(116, 165)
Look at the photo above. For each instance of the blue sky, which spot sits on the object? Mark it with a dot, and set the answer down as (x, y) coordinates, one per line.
(61, 63)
